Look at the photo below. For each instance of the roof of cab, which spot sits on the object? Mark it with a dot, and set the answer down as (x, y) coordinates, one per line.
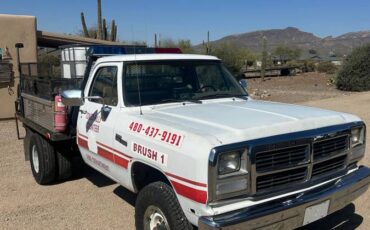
(152, 57)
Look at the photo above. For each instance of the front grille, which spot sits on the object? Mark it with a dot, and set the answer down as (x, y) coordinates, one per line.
(282, 158)
(297, 162)
(330, 147)
(329, 166)
(275, 180)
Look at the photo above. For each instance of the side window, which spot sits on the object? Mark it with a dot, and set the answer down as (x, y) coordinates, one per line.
(105, 85)
(210, 75)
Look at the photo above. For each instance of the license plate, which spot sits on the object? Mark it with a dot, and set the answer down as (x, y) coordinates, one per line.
(316, 212)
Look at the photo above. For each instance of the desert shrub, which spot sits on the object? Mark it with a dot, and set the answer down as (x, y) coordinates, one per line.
(309, 66)
(233, 57)
(295, 63)
(287, 52)
(355, 73)
(327, 67)
(303, 65)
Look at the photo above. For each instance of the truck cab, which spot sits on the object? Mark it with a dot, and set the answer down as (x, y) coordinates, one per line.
(180, 131)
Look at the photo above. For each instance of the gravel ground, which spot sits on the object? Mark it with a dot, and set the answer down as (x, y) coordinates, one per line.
(91, 201)
(295, 89)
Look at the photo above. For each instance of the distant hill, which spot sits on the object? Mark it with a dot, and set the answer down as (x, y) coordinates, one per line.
(293, 37)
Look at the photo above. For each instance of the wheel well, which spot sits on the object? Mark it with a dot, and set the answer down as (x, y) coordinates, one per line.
(143, 175)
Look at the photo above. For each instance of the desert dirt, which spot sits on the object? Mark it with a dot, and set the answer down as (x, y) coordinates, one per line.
(294, 89)
(91, 201)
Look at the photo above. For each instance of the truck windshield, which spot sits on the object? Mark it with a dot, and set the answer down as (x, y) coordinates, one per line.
(178, 81)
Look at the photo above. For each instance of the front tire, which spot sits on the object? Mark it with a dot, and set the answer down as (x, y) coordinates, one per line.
(157, 208)
(42, 158)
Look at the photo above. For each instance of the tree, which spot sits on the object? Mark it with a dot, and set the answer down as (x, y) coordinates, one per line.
(285, 52)
(185, 45)
(327, 67)
(168, 43)
(232, 56)
(355, 73)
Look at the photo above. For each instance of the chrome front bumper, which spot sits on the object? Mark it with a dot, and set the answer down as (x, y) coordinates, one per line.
(288, 213)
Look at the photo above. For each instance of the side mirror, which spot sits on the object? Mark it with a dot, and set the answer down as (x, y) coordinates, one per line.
(243, 83)
(105, 110)
(72, 98)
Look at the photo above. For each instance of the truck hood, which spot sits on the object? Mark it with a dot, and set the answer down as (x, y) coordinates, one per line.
(232, 121)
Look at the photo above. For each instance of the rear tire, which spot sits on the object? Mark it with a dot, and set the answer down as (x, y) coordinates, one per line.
(64, 163)
(42, 158)
(26, 144)
(157, 207)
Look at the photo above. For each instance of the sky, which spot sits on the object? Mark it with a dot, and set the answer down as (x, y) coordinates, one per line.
(139, 20)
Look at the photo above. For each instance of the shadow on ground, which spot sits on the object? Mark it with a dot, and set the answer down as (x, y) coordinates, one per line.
(81, 170)
(100, 180)
(94, 177)
(126, 195)
(345, 219)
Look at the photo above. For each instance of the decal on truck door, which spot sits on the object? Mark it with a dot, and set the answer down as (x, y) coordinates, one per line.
(166, 136)
(93, 121)
(150, 153)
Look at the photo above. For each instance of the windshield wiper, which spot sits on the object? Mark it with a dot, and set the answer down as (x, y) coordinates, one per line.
(222, 95)
(181, 100)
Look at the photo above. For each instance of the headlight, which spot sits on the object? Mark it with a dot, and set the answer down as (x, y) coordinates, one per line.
(357, 143)
(357, 136)
(230, 176)
(229, 162)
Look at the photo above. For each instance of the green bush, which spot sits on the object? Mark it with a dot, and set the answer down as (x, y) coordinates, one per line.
(295, 63)
(355, 73)
(309, 66)
(303, 65)
(233, 57)
(327, 67)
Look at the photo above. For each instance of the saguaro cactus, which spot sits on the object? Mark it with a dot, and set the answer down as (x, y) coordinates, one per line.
(264, 58)
(113, 30)
(100, 24)
(84, 27)
(207, 44)
(102, 31)
(104, 28)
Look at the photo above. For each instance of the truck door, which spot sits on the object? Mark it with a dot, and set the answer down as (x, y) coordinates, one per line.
(98, 115)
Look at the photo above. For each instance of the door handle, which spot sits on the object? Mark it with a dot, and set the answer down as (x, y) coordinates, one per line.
(83, 111)
(120, 140)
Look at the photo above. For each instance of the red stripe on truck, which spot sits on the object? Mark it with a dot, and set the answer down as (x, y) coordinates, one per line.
(186, 180)
(120, 161)
(113, 158)
(83, 143)
(183, 190)
(82, 135)
(114, 150)
(106, 154)
(191, 193)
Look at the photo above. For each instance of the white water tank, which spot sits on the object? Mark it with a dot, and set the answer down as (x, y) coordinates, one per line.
(74, 54)
(74, 62)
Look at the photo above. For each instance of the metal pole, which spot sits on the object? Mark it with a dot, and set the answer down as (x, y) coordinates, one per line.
(19, 46)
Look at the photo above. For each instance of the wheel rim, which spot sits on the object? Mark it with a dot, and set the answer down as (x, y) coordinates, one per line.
(154, 219)
(35, 159)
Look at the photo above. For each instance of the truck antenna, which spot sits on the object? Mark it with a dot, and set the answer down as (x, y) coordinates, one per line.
(137, 74)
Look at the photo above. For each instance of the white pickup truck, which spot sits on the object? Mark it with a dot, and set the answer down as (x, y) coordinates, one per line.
(181, 132)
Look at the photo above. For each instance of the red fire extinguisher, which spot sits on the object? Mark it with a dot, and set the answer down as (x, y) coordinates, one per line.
(60, 115)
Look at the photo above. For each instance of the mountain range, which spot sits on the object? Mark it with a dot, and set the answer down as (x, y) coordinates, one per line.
(295, 38)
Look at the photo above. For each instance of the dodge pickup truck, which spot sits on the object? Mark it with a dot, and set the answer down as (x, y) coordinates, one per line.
(180, 131)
